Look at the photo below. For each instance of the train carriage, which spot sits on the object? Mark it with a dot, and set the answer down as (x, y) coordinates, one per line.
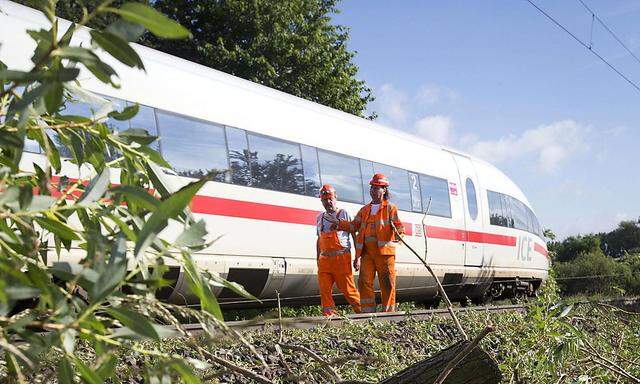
(273, 151)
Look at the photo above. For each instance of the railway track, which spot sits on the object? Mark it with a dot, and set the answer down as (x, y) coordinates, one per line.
(315, 321)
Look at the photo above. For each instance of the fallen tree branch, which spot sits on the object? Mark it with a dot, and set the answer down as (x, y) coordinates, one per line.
(235, 368)
(328, 368)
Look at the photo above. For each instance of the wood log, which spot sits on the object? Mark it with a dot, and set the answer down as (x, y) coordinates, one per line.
(476, 368)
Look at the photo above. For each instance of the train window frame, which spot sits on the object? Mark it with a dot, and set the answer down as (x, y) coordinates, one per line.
(275, 139)
(316, 161)
(424, 203)
(320, 150)
(401, 204)
(158, 112)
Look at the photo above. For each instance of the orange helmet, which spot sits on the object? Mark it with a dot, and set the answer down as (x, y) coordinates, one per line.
(327, 192)
(380, 180)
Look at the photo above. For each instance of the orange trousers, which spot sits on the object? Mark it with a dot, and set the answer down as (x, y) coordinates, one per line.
(336, 269)
(384, 266)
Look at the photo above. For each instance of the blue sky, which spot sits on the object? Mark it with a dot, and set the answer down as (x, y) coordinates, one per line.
(499, 80)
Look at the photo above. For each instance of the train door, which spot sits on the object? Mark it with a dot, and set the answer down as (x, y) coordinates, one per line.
(472, 212)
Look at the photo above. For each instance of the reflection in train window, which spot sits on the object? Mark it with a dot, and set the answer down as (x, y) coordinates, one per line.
(366, 169)
(399, 185)
(194, 148)
(437, 190)
(276, 165)
(311, 170)
(497, 214)
(519, 213)
(146, 119)
(239, 156)
(506, 208)
(343, 173)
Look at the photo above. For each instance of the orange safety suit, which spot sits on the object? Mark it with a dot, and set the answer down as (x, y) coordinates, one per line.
(334, 266)
(376, 244)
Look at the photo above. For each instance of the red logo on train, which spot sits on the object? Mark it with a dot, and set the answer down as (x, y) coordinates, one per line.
(453, 188)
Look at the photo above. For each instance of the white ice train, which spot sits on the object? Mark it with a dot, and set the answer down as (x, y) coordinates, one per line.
(483, 238)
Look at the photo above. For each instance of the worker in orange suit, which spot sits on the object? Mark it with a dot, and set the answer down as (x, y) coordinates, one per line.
(333, 251)
(376, 245)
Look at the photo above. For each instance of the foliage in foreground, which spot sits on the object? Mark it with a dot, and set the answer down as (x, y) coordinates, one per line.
(551, 342)
(87, 313)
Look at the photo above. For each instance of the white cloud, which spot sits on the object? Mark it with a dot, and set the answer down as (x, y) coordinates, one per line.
(549, 144)
(431, 94)
(435, 128)
(391, 104)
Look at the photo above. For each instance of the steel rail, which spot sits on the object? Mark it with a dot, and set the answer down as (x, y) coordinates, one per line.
(311, 322)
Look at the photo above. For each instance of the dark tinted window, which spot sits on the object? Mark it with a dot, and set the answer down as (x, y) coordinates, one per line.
(414, 187)
(519, 214)
(506, 209)
(239, 156)
(311, 170)
(472, 202)
(343, 173)
(193, 147)
(276, 165)
(535, 225)
(366, 169)
(437, 190)
(399, 185)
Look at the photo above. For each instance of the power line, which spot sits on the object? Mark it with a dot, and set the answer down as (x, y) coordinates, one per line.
(593, 15)
(588, 47)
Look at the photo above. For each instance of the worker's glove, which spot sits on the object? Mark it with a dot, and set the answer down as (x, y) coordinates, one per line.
(356, 264)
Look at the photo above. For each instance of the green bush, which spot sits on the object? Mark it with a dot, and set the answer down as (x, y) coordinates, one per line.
(592, 272)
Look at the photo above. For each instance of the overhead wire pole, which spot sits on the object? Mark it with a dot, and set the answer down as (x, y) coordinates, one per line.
(588, 47)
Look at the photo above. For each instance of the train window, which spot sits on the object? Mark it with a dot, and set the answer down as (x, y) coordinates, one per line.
(535, 225)
(437, 190)
(366, 169)
(239, 156)
(276, 165)
(343, 173)
(311, 170)
(519, 213)
(399, 185)
(146, 119)
(472, 202)
(498, 210)
(506, 209)
(495, 209)
(194, 148)
(29, 145)
(414, 186)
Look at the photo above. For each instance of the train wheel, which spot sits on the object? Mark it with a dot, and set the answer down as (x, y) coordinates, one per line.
(496, 290)
(483, 299)
(432, 304)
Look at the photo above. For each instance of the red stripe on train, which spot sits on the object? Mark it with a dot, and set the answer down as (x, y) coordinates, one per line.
(540, 249)
(471, 236)
(259, 211)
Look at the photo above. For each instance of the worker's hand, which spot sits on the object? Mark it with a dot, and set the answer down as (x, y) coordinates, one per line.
(356, 264)
(330, 218)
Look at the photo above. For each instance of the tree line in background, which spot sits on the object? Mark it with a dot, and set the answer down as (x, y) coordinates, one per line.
(606, 262)
(291, 46)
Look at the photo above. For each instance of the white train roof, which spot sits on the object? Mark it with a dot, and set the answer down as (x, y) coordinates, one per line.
(177, 85)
